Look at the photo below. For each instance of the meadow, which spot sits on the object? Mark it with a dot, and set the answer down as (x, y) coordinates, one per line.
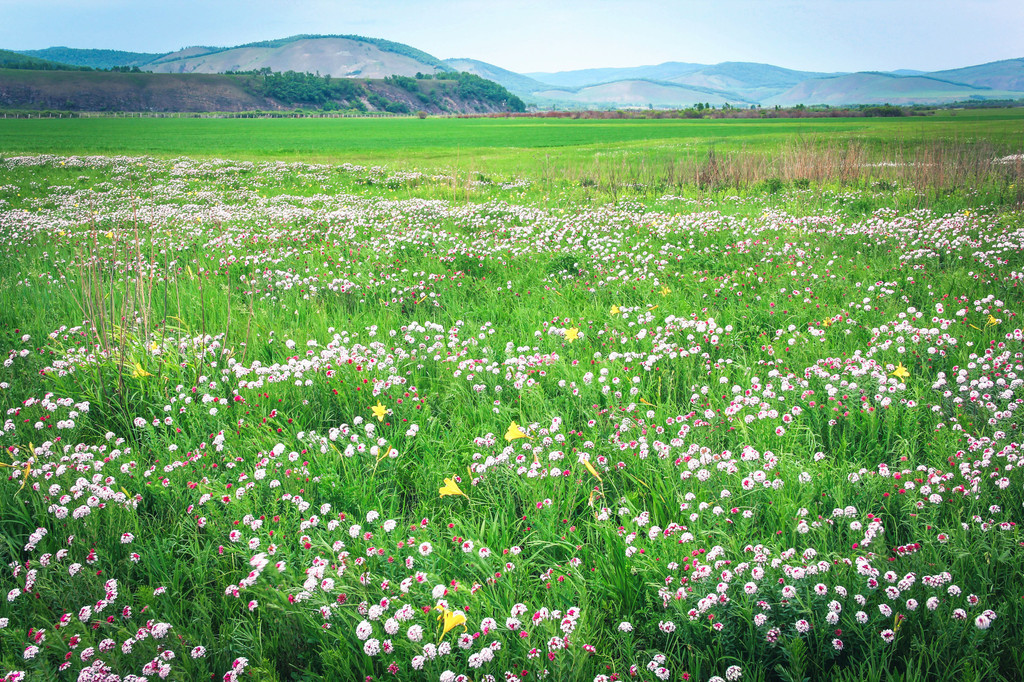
(659, 154)
(427, 418)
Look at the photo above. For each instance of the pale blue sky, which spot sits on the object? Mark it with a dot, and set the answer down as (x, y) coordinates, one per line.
(552, 35)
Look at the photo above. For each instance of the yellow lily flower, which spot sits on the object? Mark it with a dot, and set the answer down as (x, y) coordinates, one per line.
(139, 373)
(379, 411)
(451, 619)
(991, 321)
(591, 469)
(647, 403)
(665, 291)
(514, 432)
(827, 322)
(900, 372)
(572, 334)
(451, 488)
(615, 310)
(28, 466)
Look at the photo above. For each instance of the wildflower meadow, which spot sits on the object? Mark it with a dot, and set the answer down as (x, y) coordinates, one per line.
(287, 421)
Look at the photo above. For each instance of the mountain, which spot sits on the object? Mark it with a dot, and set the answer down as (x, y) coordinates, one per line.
(341, 56)
(750, 80)
(97, 59)
(516, 83)
(667, 85)
(1007, 74)
(19, 60)
(639, 93)
(883, 88)
(681, 84)
(584, 77)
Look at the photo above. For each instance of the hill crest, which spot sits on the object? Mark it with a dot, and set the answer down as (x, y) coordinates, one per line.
(673, 84)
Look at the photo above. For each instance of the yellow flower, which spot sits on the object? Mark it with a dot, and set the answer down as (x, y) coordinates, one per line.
(379, 411)
(647, 403)
(154, 346)
(139, 373)
(665, 291)
(900, 372)
(615, 309)
(28, 466)
(109, 235)
(514, 432)
(451, 488)
(572, 334)
(827, 322)
(991, 321)
(591, 469)
(451, 619)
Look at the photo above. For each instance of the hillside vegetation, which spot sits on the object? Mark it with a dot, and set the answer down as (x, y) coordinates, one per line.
(16, 60)
(97, 59)
(252, 91)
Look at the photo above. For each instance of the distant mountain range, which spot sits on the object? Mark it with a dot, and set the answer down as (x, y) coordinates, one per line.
(668, 85)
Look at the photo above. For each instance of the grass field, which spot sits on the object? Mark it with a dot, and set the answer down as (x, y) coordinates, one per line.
(508, 146)
(274, 420)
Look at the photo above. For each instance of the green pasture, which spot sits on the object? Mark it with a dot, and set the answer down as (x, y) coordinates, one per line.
(531, 146)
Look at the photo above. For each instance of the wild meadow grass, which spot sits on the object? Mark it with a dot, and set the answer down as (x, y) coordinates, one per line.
(940, 152)
(282, 421)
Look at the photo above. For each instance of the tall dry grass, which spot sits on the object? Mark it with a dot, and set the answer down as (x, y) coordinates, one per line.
(938, 167)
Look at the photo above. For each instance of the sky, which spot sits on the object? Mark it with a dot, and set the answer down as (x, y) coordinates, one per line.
(556, 35)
